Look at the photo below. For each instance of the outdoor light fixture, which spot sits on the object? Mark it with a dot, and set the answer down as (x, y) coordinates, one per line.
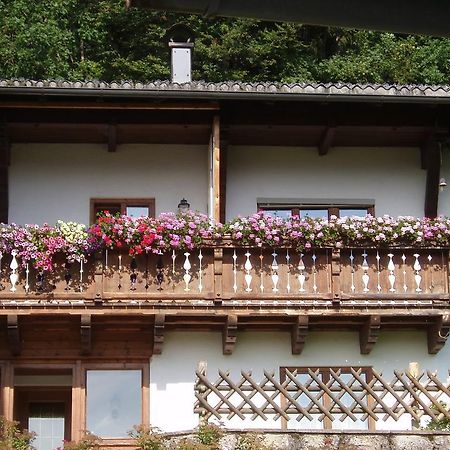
(183, 206)
(442, 184)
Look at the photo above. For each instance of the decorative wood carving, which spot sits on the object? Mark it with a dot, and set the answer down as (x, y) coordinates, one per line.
(86, 334)
(218, 272)
(299, 332)
(13, 334)
(158, 333)
(438, 333)
(368, 334)
(335, 276)
(229, 334)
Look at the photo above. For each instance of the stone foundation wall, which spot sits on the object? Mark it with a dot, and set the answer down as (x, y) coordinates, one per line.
(420, 440)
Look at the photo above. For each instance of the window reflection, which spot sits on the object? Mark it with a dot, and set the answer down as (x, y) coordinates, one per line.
(113, 403)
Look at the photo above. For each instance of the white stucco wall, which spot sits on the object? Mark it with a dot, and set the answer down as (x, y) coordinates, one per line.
(444, 196)
(172, 373)
(390, 176)
(56, 181)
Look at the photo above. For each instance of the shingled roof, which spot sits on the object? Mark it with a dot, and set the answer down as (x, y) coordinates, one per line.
(232, 89)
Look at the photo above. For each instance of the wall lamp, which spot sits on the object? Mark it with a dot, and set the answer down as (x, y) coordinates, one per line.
(183, 206)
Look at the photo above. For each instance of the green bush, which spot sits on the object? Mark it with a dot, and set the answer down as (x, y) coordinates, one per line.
(11, 438)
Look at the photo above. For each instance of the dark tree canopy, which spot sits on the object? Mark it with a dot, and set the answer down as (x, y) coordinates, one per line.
(89, 39)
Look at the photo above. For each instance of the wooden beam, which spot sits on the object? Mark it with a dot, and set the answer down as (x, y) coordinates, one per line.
(216, 161)
(368, 334)
(299, 333)
(158, 333)
(438, 333)
(433, 164)
(326, 140)
(5, 157)
(13, 334)
(229, 334)
(112, 137)
(85, 334)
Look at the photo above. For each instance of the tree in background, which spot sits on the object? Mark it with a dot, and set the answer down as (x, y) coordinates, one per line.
(89, 39)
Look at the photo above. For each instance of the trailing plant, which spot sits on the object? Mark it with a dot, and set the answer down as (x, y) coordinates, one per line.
(40, 245)
(11, 438)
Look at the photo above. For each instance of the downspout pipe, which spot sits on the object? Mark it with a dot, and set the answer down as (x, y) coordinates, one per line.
(429, 17)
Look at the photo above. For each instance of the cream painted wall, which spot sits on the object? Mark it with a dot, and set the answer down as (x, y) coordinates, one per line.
(444, 196)
(56, 181)
(172, 373)
(391, 176)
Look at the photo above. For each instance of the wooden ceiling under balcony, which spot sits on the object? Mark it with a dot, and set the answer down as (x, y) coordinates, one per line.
(320, 125)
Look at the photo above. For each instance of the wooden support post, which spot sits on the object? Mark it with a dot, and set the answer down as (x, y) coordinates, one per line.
(5, 156)
(158, 333)
(216, 168)
(327, 140)
(224, 141)
(433, 167)
(78, 402)
(218, 272)
(146, 395)
(299, 333)
(368, 334)
(438, 333)
(336, 276)
(7, 391)
(85, 334)
(13, 334)
(229, 334)
(200, 389)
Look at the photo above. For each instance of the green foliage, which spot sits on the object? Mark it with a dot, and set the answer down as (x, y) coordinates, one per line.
(442, 424)
(209, 434)
(11, 438)
(88, 442)
(148, 438)
(251, 441)
(90, 39)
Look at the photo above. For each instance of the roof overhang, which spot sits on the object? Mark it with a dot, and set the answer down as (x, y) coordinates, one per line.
(429, 17)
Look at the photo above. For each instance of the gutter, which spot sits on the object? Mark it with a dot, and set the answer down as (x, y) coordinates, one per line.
(44, 92)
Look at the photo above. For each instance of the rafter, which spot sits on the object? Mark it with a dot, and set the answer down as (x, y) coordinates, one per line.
(438, 333)
(229, 334)
(299, 332)
(85, 334)
(158, 333)
(327, 140)
(13, 334)
(368, 334)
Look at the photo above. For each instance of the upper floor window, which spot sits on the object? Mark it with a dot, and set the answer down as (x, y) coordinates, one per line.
(134, 207)
(316, 210)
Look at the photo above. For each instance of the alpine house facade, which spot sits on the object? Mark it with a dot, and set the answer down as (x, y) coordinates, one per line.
(338, 337)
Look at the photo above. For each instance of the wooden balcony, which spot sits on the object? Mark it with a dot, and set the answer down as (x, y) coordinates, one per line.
(230, 287)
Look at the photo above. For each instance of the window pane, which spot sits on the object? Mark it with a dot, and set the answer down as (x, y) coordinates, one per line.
(113, 403)
(47, 421)
(359, 212)
(137, 211)
(283, 213)
(314, 213)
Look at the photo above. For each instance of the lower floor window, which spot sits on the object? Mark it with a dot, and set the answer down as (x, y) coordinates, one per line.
(315, 210)
(113, 402)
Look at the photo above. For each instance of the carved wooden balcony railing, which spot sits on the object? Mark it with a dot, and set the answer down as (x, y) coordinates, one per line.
(240, 276)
